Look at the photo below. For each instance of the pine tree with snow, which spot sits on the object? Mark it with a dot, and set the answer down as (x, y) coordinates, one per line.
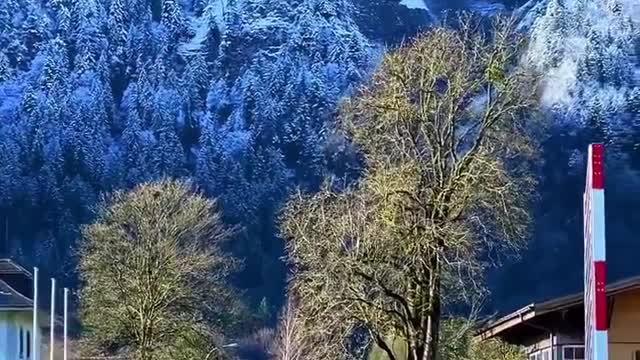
(167, 157)
(118, 26)
(254, 9)
(213, 37)
(597, 122)
(137, 144)
(90, 41)
(6, 72)
(548, 36)
(10, 172)
(208, 156)
(7, 9)
(65, 26)
(197, 80)
(173, 19)
(231, 47)
(56, 67)
(633, 101)
(35, 28)
(29, 106)
(281, 9)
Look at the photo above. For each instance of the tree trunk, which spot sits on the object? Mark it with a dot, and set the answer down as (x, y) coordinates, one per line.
(382, 344)
(434, 315)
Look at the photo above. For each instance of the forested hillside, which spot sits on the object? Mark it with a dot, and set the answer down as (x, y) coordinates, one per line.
(238, 95)
(97, 95)
(588, 51)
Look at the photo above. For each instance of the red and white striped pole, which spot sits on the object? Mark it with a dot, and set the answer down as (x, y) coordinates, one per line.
(595, 297)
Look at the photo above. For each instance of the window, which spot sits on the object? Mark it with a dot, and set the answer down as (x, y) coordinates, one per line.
(573, 352)
(21, 344)
(540, 355)
(28, 344)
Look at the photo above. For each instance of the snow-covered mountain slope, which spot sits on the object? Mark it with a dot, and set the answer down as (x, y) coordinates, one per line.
(415, 4)
(589, 52)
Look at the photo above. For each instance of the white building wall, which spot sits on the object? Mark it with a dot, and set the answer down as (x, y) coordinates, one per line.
(10, 324)
(4, 337)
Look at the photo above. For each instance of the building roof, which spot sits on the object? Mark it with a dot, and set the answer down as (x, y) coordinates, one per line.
(10, 299)
(496, 327)
(8, 266)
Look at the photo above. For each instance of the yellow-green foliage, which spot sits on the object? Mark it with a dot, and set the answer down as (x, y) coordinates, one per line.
(445, 144)
(153, 275)
(457, 344)
(399, 347)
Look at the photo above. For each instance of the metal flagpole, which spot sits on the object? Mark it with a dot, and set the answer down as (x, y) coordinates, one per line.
(34, 341)
(66, 305)
(52, 316)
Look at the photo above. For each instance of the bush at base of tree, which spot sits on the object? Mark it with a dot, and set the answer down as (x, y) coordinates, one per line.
(458, 344)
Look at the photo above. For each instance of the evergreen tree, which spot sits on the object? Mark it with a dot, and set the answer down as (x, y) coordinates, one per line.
(7, 9)
(137, 149)
(168, 156)
(597, 122)
(65, 26)
(6, 72)
(213, 38)
(90, 42)
(118, 26)
(230, 60)
(196, 81)
(10, 172)
(56, 67)
(173, 20)
(35, 29)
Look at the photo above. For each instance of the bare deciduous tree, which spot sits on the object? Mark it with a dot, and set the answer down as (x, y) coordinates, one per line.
(154, 278)
(296, 341)
(443, 130)
(290, 342)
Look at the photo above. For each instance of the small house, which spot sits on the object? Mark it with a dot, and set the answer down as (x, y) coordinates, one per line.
(16, 313)
(554, 329)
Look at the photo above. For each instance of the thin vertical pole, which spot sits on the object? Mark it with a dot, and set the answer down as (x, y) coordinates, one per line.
(34, 341)
(66, 305)
(52, 316)
(595, 261)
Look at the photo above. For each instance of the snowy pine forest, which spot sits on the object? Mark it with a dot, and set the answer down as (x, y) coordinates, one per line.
(588, 52)
(97, 95)
(239, 97)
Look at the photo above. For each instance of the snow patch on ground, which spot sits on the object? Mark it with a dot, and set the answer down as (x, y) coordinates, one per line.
(414, 4)
(419, 5)
(529, 13)
(200, 26)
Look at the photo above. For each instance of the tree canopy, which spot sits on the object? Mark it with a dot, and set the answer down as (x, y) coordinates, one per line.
(154, 276)
(444, 129)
